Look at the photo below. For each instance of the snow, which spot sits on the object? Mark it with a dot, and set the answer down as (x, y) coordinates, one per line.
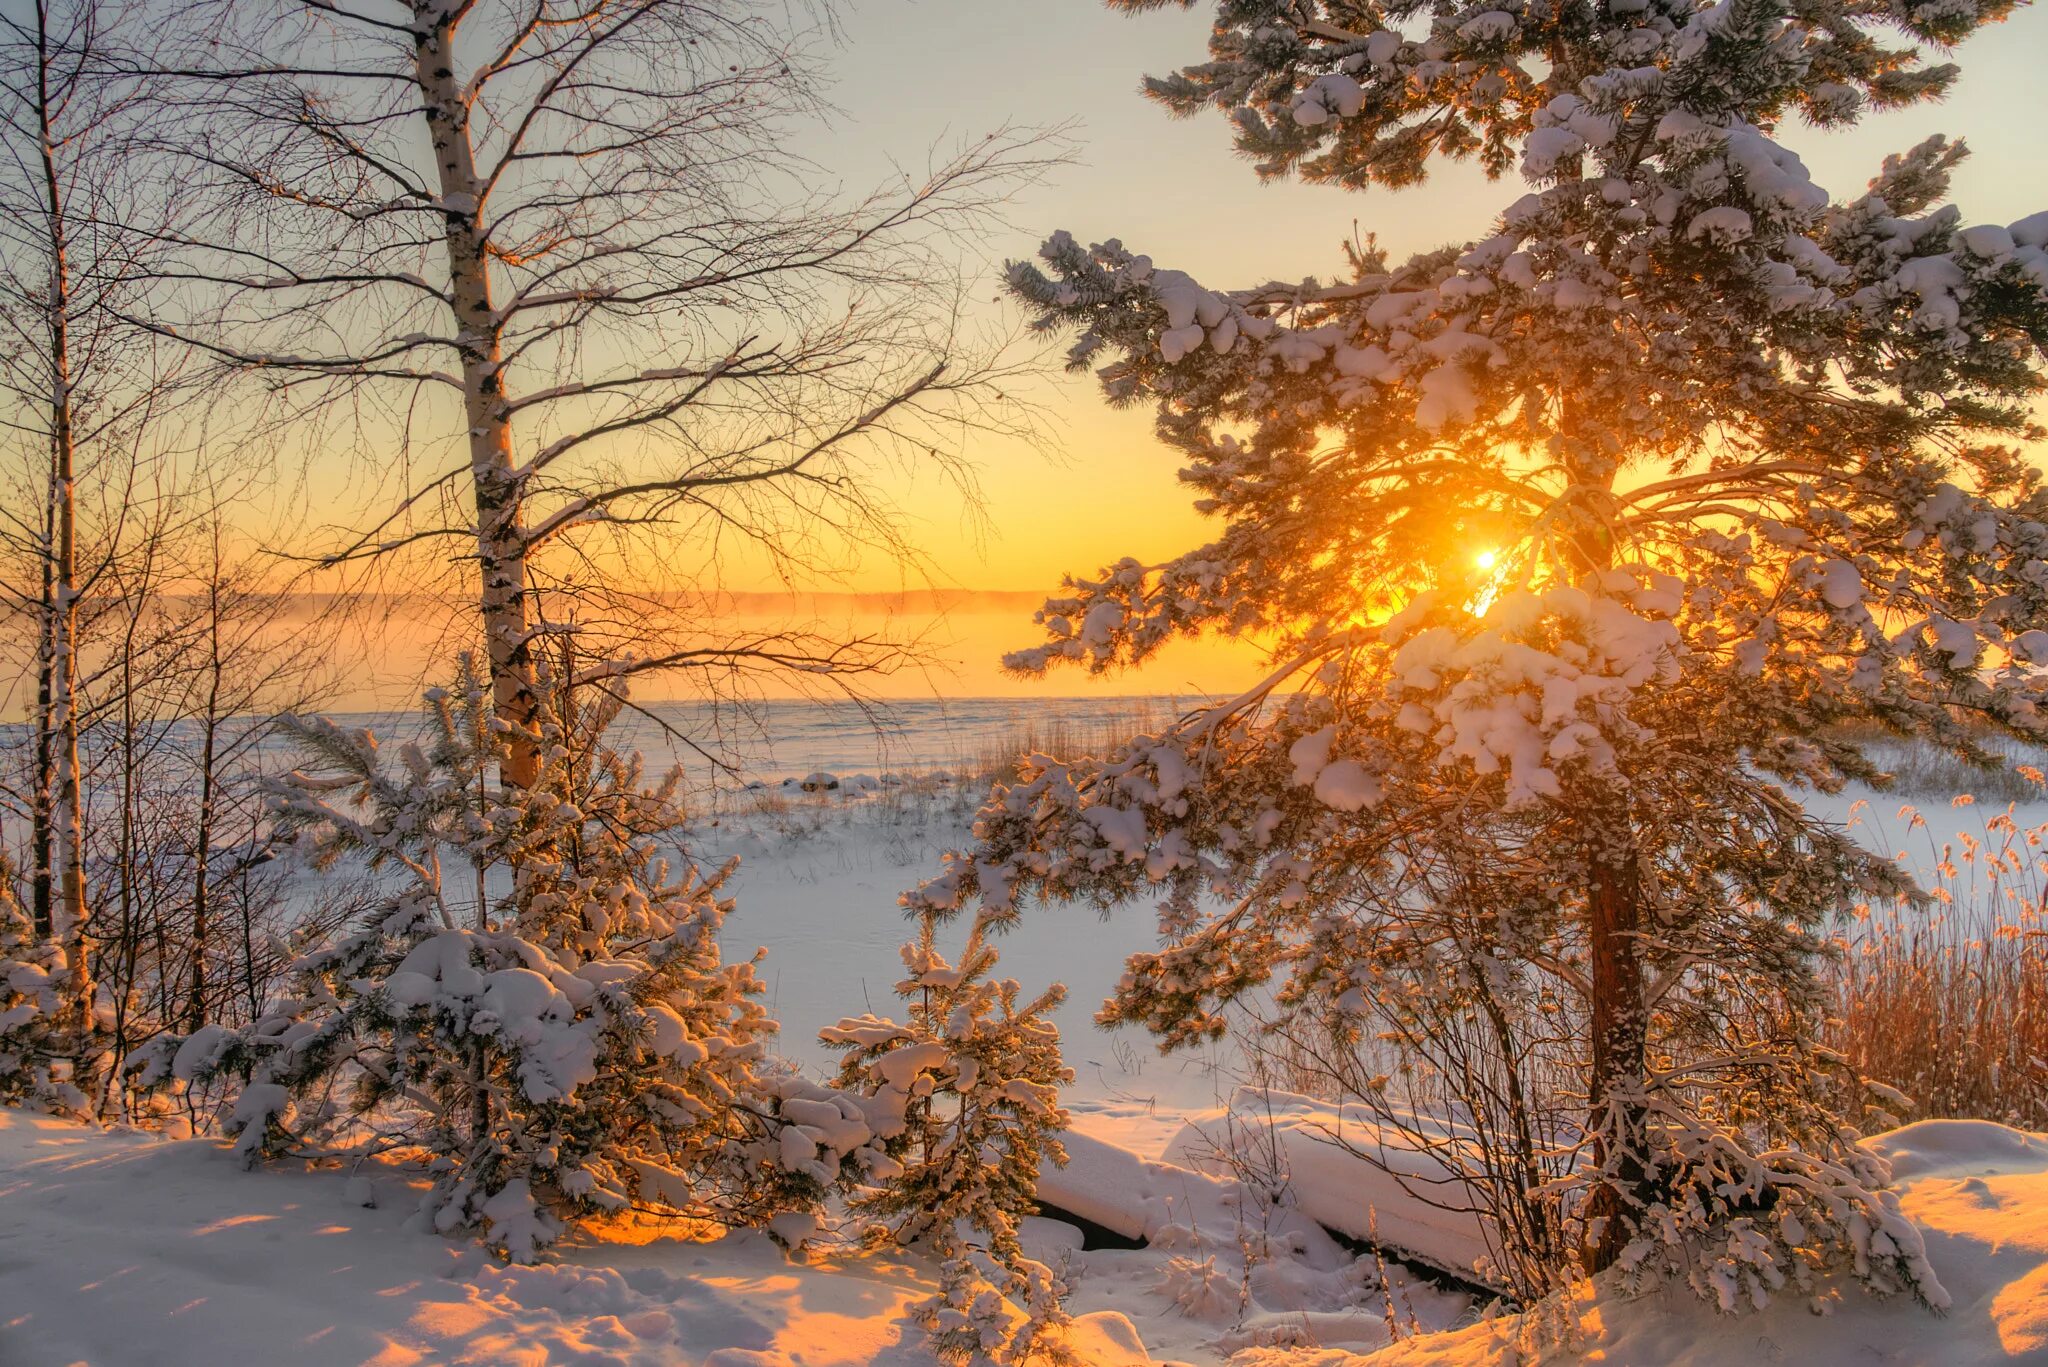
(111, 1240)
(1505, 704)
(1840, 584)
(118, 1248)
(1722, 224)
(1352, 1174)
(1160, 1202)
(1347, 786)
(1976, 1189)
(817, 888)
(117, 1240)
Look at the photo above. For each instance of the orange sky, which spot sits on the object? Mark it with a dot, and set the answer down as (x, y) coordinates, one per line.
(1173, 188)
(1099, 487)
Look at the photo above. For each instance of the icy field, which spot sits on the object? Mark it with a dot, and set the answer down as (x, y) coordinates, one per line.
(817, 888)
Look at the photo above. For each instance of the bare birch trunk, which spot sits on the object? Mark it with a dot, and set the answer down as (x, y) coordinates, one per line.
(42, 782)
(128, 932)
(495, 483)
(601, 174)
(202, 854)
(69, 915)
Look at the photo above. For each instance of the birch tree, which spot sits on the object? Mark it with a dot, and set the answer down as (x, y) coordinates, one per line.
(76, 384)
(596, 308)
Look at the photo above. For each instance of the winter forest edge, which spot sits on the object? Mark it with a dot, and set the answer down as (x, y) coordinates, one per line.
(1515, 967)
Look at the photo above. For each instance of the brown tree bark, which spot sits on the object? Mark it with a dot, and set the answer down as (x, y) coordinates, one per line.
(1615, 1106)
(1616, 1113)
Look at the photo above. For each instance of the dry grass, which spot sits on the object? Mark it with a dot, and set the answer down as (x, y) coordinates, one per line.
(1949, 1003)
(999, 757)
(1945, 1002)
(1923, 771)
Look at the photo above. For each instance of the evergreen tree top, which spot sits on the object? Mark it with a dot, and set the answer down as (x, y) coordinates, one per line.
(1356, 94)
(1676, 371)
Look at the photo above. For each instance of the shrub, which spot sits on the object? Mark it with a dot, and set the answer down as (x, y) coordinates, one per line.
(1947, 1000)
(569, 1046)
(963, 1097)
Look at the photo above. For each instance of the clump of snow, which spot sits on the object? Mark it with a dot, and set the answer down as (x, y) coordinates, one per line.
(1977, 1192)
(1351, 1173)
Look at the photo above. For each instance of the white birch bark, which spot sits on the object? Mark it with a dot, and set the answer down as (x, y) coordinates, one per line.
(69, 911)
(500, 533)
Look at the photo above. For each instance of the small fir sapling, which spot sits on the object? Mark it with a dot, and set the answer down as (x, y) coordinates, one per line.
(33, 1057)
(539, 1006)
(963, 1098)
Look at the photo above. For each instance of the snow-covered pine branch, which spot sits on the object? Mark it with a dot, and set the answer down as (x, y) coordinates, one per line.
(538, 1006)
(1744, 462)
(34, 1059)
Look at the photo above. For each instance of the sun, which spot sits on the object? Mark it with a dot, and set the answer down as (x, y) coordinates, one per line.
(1485, 560)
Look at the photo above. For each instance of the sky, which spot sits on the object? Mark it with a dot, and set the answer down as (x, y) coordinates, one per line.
(914, 75)
(917, 71)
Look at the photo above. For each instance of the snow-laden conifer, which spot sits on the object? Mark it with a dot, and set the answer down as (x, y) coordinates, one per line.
(34, 1059)
(538, 1006)
(963, 1097)
(1578, 539)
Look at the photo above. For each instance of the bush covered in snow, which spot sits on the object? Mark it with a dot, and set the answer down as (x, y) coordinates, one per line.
(539, 1005)
(34, 1058)
(963, 1097)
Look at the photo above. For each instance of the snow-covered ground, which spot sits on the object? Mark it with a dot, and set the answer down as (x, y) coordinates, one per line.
(1978, 1191)
(817, 886)
(120, 1249)
(123, 1250)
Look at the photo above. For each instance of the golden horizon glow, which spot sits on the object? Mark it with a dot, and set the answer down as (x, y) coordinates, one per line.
(1095, 483)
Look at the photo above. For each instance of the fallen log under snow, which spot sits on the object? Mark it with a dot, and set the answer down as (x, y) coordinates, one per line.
(1330, 1170)
(1165, 1204)
(1352, 1174)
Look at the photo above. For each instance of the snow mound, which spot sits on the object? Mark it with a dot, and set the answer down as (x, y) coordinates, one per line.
(1979, 1193)
(1167, 1205)
(1349, 1173)
(1229, 1265)
(121, 1249)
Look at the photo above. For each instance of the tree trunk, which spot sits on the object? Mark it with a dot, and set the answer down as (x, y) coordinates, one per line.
(69, 916)
(42, 880)
(122, 955)
(129, 943)
(1616, 1103)
(249, 992)
(1616, 1106)
(495, 483)
(202, 854)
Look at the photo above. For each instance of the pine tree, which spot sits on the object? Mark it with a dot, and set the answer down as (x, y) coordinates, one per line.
(556, 1031)
(1741, 465)
(963, 1098)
